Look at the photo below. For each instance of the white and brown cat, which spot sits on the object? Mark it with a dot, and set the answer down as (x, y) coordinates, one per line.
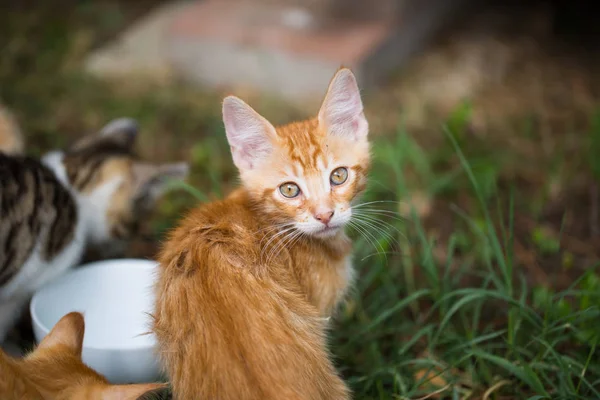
(95, 193)
(247, 284)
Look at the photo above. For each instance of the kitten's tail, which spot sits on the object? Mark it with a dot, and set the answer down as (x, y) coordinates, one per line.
(11, 137)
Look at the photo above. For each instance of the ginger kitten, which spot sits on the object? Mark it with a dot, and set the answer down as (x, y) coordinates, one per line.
(54, 371)
(247, 284)
(93, 194)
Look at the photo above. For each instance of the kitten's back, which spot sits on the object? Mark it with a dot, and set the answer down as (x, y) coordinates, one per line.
(12, 383)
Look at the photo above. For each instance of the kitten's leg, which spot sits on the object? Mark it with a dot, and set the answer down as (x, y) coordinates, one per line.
(10, 311)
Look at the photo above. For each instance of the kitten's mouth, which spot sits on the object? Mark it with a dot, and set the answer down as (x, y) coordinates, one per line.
(328, 230)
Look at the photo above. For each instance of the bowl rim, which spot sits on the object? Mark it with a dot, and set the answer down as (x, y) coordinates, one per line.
(138, 263)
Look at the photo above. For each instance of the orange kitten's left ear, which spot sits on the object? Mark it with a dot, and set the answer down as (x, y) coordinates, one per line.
(67, 332)
(129, 392)
(341, 113)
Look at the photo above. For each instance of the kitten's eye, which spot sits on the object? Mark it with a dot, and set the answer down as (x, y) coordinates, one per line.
(289, 190)
(338, 176)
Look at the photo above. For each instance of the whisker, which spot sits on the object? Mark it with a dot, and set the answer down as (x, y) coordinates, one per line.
(274, 248)
(282, 244)
(378, 229)
(279, 234)
(377, 215)
(276, 226)
(382, 213)
(387, 252)
(360, 231)
(267, 234)
(372, 240)
(368, 237)
(375, 202)
(296, 240)
(380, 223)
(375, 208)
(274, 236)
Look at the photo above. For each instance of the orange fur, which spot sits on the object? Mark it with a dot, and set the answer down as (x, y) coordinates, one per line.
(242, 304)
(54, 371)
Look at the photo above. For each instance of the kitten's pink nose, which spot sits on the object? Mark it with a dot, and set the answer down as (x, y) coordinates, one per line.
(324, 217)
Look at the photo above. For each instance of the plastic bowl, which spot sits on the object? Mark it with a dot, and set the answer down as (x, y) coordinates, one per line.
(116, 298)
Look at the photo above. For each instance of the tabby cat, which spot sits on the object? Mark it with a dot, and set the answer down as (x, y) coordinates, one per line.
(93, 194)
(247, 284)
(54, 371)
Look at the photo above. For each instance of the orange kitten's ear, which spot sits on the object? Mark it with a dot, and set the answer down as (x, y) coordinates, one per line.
(250, 135)
(342, 110)
(68, 332)
(129, 392)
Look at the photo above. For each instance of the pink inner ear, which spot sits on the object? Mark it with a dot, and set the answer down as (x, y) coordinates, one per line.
(342, 111)
(248, 133)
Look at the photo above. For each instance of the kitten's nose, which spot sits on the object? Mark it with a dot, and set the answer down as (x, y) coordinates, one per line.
(324, 217)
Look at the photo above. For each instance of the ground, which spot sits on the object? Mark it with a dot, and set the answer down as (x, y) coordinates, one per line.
(477, 260)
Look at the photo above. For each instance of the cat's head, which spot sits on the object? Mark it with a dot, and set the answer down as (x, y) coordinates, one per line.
(55, 370)
(114, 189)
(305, 174)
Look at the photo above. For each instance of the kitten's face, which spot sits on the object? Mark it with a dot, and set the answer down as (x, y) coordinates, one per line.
(311, 178)
(55, 370)
(115, 191)
(305, 174)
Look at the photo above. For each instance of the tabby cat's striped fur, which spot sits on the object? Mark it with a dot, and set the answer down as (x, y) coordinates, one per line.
(92, 194)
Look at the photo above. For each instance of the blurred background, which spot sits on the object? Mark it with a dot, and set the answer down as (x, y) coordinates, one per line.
(477, 275)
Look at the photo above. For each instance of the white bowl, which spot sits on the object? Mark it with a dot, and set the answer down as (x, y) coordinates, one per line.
(115, 297)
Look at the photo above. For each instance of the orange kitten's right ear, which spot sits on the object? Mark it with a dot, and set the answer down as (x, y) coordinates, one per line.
(249, 135)
(67, 332)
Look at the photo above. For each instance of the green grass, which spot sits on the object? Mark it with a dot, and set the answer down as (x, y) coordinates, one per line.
(405, 337)
(446, 303)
